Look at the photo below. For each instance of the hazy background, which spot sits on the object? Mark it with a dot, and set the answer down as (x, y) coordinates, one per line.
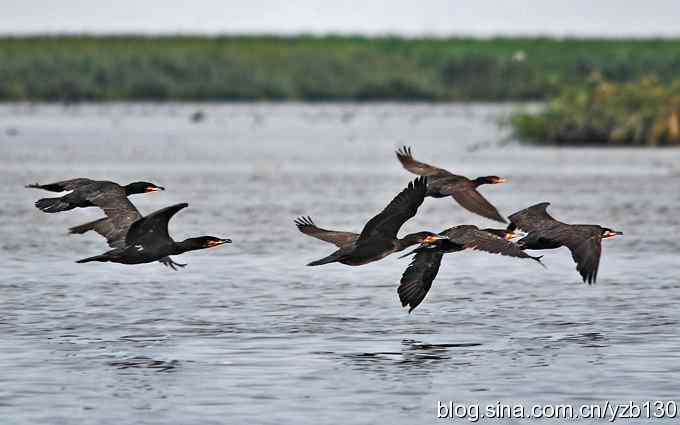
(611, 18)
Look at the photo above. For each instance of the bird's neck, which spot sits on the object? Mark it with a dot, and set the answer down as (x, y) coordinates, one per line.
(480, 181)
(184, 246)
(129, 190)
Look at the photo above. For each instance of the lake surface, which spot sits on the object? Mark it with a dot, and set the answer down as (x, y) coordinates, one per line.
(247, 334)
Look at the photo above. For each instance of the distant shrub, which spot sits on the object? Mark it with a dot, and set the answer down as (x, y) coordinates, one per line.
(643, 112)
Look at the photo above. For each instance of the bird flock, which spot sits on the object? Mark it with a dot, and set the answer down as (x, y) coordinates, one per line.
(137, 239)
(529, 229)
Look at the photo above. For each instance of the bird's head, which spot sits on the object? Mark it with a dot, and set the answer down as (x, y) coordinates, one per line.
(210, 241)
(490, 180)
(142, 187)
(424, 238)
(506, 234)
(427, 240)
(608, 233)
(203, 242)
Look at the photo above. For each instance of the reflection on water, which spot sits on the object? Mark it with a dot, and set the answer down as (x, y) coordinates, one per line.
(145, 363)
(414, 356)
(248, 334)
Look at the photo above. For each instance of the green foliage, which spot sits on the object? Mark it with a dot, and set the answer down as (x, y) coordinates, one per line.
(318, 68)
(643, 112)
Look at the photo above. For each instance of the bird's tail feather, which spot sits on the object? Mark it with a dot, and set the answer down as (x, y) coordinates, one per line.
(102, 257)
(415, 251)
(421, 248)
(53, 205)
(330, 259)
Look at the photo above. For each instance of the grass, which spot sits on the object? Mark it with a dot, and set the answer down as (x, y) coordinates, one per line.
(77, 68)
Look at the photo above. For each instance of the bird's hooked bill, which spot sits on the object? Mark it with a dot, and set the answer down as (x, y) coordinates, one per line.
(514, 235)
(434, 238)
(215, 242)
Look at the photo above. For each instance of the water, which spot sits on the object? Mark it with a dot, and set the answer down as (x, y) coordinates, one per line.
(248, 334)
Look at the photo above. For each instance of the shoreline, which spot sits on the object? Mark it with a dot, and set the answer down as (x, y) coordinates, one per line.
(318, 68)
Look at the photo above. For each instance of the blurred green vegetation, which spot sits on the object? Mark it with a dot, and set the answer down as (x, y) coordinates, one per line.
(310, 68)
(643, 112)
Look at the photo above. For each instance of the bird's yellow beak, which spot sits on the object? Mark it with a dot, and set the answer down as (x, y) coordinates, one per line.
(153, 188)
(433, 238)
(509, 236)
(610, 233)
(215, 242)
(501, 180)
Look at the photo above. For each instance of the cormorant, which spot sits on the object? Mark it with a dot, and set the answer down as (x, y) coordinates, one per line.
(85, 192)
(120, 215)
(442, 183)
(147, 240)
(418, 276)
(378, 239)
(544, 232)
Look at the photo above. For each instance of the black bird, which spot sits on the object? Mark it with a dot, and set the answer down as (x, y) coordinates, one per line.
(85, 192)
(442, 183)
(418, 276)
(544, 232)
(147, 240)
(378, 239)
(120, 215)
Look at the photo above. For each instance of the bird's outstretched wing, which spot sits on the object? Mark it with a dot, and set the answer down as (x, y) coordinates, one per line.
(418, 277)
(473, 201)
(62, 186)
(104, 226)
(587, 258)
(585, 243)
(155, 224)
(405, 156)
(534, 218)
(340, 239)
(471, 237)
(403, 207)
(120, 212)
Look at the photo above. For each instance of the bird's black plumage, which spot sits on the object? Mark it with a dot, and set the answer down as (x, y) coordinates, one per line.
(442, 183)
(120, 215)
(378, 239)
(147, 240)
(84, 193)
(417, 279)
(544, 232)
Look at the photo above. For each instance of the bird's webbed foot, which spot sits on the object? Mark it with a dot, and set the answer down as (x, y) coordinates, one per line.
(168, 262)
